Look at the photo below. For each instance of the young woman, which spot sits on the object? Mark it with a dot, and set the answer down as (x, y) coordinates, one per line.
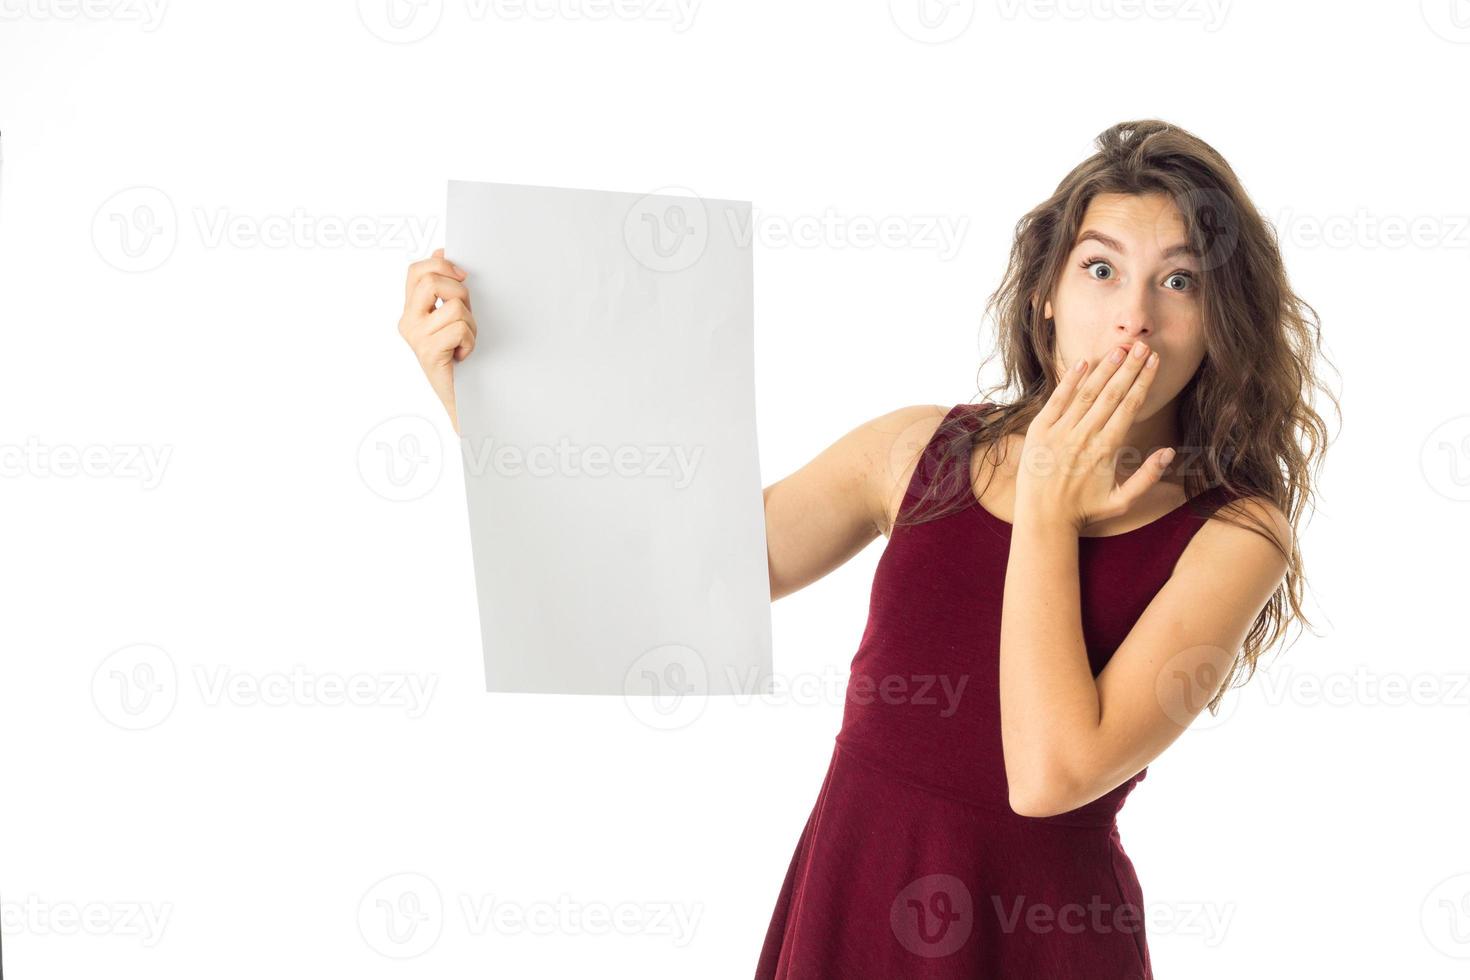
(1071, 575)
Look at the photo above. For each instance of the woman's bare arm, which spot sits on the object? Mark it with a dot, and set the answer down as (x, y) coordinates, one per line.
(1069, 738)
(830, 509)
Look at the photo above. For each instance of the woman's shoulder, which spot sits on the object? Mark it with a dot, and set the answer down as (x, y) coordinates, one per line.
(1256, 508)
(905, 432)
(897, 443)
(1244, 526)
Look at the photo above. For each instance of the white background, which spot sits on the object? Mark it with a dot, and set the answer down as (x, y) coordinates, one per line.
(1316, 828)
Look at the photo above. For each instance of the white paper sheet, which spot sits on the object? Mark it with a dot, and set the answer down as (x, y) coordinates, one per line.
(607, 424)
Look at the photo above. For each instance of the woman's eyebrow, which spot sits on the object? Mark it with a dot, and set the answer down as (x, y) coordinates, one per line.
(1092, 234)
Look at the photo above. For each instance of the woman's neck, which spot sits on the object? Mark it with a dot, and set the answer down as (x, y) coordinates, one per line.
(1146, 437)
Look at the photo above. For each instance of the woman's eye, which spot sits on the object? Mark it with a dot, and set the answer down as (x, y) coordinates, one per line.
(1177, 282)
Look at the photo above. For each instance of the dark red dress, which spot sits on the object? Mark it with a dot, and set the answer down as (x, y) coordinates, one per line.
(912, 863)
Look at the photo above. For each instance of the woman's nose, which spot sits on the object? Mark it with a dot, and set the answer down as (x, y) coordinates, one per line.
(1133, 317)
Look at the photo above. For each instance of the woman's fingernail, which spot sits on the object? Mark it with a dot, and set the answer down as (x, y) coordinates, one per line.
(457, 270)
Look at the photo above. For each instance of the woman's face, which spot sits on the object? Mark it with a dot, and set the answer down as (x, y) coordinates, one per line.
(1135, 286)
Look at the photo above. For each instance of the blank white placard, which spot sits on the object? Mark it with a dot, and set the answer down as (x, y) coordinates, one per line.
(607, 433)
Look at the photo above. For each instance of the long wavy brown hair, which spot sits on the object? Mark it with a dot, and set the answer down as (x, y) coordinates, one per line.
(1245, 418)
